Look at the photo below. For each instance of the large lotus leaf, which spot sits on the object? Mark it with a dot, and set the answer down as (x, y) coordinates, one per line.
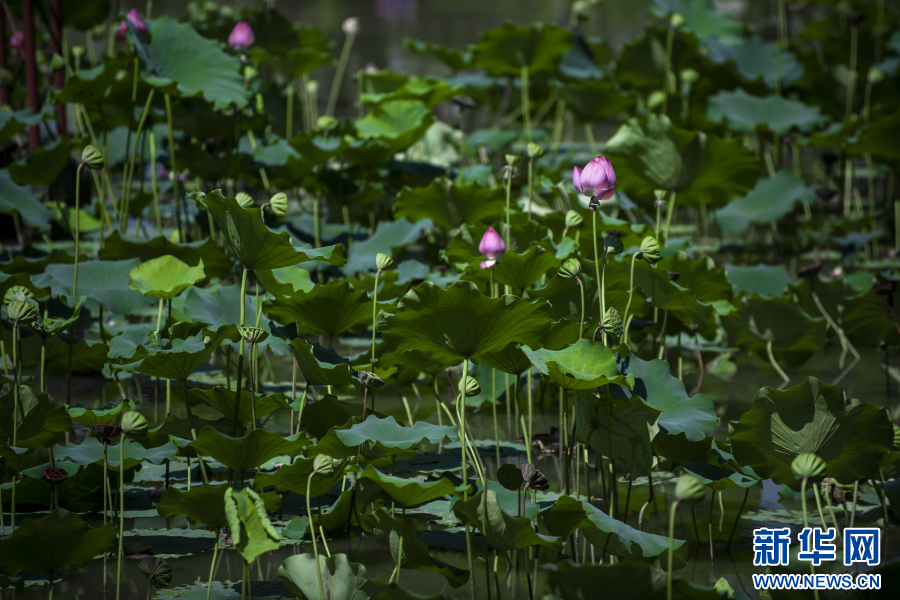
(296, 62)
(19, 199)
(86, 356)
(88, 417)
(867, 319)
(504, 50)
(770, 201)
(582, 366)
(392, 437)
(663, 293)
(650, 153)
(202, 503)
(501, 531)
(511, 359)
(249, 452)
(257, 246)
(385, 86)
(215, 262)
(388, 235)
(713, 466)
(222, 399)
(77, 492)
(341, 579)
(408, 492)
(461, 322)
(411, 552)
(694, 416)
(47, 545)
(756, 59)
(330, 309)
(568, 515)
(596, 99)
(285, 281)
(177, 361)
(44, 166)
(88, 86)
(779, 320)
(521, 271)
(294, 478)
(700, 275)
(811, 418)
(622, 429)
(768, 280)
(23, 265)
(211, 73)
(15, 122)
(321, 366)
(702, 17)
(450, 204)
(399, 124)
(104, 282)
(745, 113)
(879, 139)
(164, 277)
(39, 420)
(90, 451)
(251, 530)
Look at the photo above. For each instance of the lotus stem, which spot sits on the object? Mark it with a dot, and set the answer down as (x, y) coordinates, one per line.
(851, 75)
(774, 364)
(302, 406)
(738, 518)
(126, 191)
(526, 105)
(154, 186)
(627, 502)
(190, 414)
(530, 434)
(630, 296)
(121, 515)
(313, 528)
(238, 424)
(339, 75)
(581, 322)
(803, 484)
(212, 565)
(597, 268)
(77, 227)
(105, 477)
(855, 495)
(530, 176)
(819, 505)
(827, 493)
(170, 131)
(465, 477)
(508, 209)
(711, 552)
(669, 210)
(671, 548)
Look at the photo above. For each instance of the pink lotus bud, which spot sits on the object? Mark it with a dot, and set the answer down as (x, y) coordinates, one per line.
(241, 37)
(351, 25)
(17, 42)
(597, 181)
(137, 20)
(491, 246)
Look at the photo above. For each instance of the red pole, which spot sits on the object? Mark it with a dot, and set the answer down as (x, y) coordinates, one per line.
(59, 78)
(4, 96)
(34, 138)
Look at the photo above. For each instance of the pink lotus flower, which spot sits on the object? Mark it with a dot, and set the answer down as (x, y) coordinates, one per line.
(597, 181)
(491, 247)
(241, 37)
(137, 20)
(17, 42)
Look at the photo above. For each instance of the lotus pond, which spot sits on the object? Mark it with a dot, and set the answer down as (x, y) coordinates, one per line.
(550, 315)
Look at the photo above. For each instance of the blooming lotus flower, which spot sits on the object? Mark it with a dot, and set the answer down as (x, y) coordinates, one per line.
(491, 247)
(17, 42)
(135, 17)
(241, 37)
(597, 180)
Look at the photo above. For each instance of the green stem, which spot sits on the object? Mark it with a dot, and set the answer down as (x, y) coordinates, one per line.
(77, 227)
(669, 210)
(508, 192)
(775, 363)
(526, 105)
(630, 295)
(530, 175)
(465, 477)
(213, 563)
(121, 516)
(671, 549)
(581, 322)
(803, 483)
(43, 365)
(190, 414)
(597, 265)
(159, 315)
(126, 192)
(851, 76)
(374, 314)
(154, 186)
(105, 480)
(530, 434)
(313, 527)
(339, 75)
(302, 406)
(238, 425)
(170, 131)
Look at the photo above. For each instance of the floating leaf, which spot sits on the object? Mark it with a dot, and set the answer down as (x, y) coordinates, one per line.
(745, 113)
(392, 437)
(294, 477)
(164, 277)
(504, 50)
(121, 247)
(19, 199)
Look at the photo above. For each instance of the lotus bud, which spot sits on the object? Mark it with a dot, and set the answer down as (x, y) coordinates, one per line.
(106, 431)
(134, 424)
(351, 25)
(16, 292)
(896, 437)
(570, 269)
(241, 37)
(244, 199)
(470, 386)
(612, 244)
(535, 150)
(207, 340)
(612, 322)
(17, 42)
(157, 571)
(534, 479)
(323, 465)
(689, 76)
(137, 20)
(260, 102)
(370, 380)
(573, 219)
(57, 62)
(327, 123)
(676, 21)
(92, 158)
(689, 490)
(278, 203)
(650, 250)
(597, 180)
(23, 310)
(809, 466)
(383, 261)
(491, 246)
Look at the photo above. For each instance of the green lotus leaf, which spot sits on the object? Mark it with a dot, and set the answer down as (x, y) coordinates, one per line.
(623, 429)
(388, 235)
(249, 452)
(569, 515)
(44, 166)
(700, 275)
(756, 59)
(77, 493)
(501, 531)
(510, 476)
(104, 282)
(879, 139)
(285, 281)
(257, 246)
(408, 492)
(23, 265)
(88, 86)
(47, 545)
(582, 366)
(296, 62)
(449, 204)
(88, 417)
(223, 400)
(745, 113)
(321, 366)
(19, 199)
(202, 504)
(565, 297)
(510, 359)
(650, 153)
(382, 86)
(461, 322)
(121, 247)
(86, 356)
(251, 530)
(211, 73)
(392, 437)
(654, 384)
(341, 579)
(15, 122)
(294, 477)
(164, 277)
(39, 420)
(328, 413)
(330, 309)
(504, 50)
(411, 552)
(779, 320)
(399, 124)
(661, 292)
(177, 360)
(768, 280)
(596, 99)
(455, 59)
(705, 460)
(811, 418)
(521, 271)
(702, 17)
(770, 201)
(867, 319)
(90, 451)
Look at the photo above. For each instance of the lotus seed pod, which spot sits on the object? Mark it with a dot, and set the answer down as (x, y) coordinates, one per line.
(689, 490)
(676, 21)
(612, 322)
(534, 479)
(612, 244)
(253, 335)
(573, 219)
(106, 431)
(570, 269)
(312, 87)
(383, 261)
(13, 293)
(323, 465)
(660, 194)
(896, 437)
(512, 159)
(134, 424)
(55, 475)
(92, 158)
(535, 150)
(327, 123)
(278, 203)
(650, 249)
(24, 310)
(809, 466)
(470, 386)
(244, 199)
(370, 380)
(351, 25)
